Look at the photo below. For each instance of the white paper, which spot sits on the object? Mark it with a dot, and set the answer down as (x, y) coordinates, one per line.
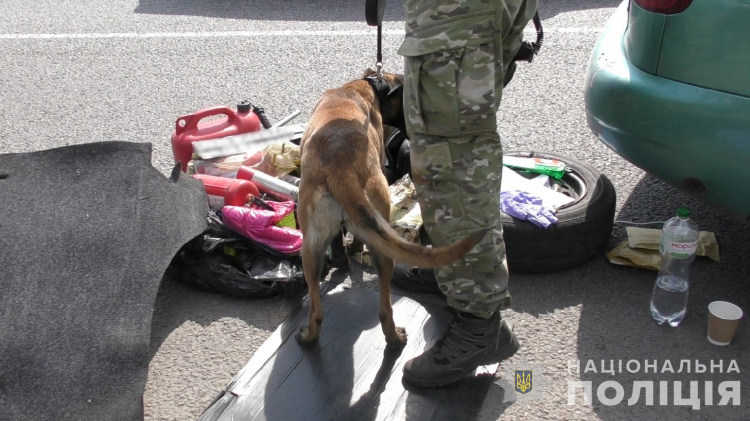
(551, 199)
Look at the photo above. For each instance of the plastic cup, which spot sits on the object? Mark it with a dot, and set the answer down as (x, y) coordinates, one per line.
(723, 318)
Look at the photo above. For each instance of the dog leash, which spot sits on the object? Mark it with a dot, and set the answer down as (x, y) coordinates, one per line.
(374, 10)
(379, 55)
(530, 49)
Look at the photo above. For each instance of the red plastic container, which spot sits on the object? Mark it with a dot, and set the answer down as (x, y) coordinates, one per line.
(191, 128)
(223, 191)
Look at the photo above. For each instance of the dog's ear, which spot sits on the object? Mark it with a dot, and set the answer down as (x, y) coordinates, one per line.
(396, 92)
(369, 72)
(395, 85)
(395, 79)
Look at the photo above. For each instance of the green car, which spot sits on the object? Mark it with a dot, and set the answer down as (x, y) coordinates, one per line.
(668, 89)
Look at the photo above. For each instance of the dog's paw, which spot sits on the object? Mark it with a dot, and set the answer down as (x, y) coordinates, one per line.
(304, 337)
(399, 342)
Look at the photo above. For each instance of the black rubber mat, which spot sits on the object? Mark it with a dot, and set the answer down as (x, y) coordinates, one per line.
(85, 236)
(350, 374)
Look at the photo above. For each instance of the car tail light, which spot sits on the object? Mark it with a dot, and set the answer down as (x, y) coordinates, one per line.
(667, 7)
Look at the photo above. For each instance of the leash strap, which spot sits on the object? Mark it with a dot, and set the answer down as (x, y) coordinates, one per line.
(530, 49)
(379, 57)
(374, 10)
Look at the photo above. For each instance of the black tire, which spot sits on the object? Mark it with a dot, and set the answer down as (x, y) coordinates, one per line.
(582, 230)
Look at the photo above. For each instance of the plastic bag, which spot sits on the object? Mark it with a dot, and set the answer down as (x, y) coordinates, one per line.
(279, 159)
(224, 262)
(406, 217)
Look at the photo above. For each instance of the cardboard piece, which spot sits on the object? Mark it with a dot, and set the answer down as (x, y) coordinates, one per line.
(641, 249)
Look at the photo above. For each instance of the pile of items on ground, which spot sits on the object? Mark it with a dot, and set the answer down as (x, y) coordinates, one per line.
(250, 174)
(252, 245)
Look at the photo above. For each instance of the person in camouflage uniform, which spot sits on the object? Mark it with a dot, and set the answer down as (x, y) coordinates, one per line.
(456, 53)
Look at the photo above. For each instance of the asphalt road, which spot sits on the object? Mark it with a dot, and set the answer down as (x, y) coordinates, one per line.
(77, 72)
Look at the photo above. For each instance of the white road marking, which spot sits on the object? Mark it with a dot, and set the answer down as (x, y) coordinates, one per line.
(241, 34)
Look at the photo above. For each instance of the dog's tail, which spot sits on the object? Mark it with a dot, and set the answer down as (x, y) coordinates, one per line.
(369, 226)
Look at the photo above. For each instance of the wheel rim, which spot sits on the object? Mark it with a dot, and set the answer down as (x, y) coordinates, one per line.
(571, 185)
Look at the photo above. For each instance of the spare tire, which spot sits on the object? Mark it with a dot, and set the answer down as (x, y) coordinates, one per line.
(583, 228)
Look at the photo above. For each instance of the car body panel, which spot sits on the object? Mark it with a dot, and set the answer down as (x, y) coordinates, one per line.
(694, 138)
(642, 38)
(714, 51)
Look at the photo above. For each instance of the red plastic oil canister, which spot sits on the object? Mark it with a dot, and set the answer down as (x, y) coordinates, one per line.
(223, 191)
(191, 128)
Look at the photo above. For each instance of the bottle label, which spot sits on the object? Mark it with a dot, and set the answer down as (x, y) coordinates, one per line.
(678, 249)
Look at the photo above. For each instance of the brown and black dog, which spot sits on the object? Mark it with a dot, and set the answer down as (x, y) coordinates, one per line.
(342, 182)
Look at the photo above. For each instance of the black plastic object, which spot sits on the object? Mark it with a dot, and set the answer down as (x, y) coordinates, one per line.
(530, 49)
(374, 10)
(527, 52)
(397, 156)
(225, 262)
(261, 113)
(92, 231)
(245, 106)
(349, 374)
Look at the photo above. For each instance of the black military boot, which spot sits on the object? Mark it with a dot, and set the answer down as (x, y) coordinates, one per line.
(469, 343)
(414, 279)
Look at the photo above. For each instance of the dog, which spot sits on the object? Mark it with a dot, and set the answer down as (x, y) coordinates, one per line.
(342, 184)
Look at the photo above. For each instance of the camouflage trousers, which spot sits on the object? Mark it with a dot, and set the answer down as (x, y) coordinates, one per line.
(455, 55)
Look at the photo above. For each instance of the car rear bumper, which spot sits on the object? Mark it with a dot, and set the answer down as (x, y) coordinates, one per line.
(695, 139)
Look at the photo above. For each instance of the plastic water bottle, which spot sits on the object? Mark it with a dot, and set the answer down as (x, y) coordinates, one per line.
(679, 242)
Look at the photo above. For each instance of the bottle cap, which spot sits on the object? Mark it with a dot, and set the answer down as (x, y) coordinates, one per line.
(244, 106)
(683, 212)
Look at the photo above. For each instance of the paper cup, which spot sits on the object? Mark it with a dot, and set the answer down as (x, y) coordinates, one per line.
(723, 318)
